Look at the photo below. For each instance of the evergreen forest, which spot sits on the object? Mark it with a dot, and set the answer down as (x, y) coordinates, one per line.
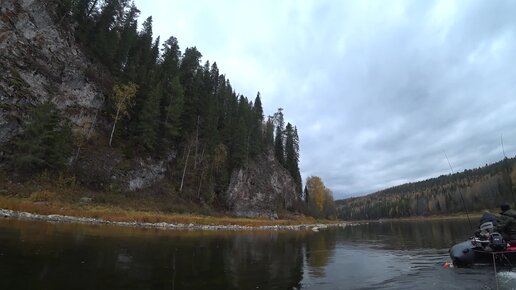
(471, 190)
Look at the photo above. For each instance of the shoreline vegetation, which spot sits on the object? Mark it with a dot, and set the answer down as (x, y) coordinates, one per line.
(70, 213)
(59, 212)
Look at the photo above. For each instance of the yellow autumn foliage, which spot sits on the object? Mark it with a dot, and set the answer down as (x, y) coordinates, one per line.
(321, 197)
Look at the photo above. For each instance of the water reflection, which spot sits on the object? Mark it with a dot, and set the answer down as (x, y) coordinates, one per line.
(320, 251)
(436, 234)
(47, 256)
(388, 255)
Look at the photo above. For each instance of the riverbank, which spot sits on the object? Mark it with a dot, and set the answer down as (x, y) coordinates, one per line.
(55, 218)
(473, 216)
(59, 212)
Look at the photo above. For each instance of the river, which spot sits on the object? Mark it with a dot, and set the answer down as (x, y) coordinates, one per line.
(387, 255)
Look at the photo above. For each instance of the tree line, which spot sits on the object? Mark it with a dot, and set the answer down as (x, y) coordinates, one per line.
(473, 189)
(162, 99)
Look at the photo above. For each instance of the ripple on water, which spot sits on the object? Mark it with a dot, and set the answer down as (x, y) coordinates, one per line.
(363, 267)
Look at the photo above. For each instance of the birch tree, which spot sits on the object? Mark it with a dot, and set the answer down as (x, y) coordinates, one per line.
(122, 97)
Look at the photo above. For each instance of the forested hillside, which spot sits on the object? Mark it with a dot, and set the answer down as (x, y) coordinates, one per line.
(165, 114)
(481, 188)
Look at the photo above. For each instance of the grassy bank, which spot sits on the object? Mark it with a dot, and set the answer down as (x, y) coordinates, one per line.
(119, 214)
(61, 195)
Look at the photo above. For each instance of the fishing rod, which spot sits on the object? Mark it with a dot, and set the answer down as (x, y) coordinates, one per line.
(506, 163)
(460, 192)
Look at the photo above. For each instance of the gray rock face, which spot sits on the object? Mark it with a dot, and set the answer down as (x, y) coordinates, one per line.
(148, 173)
(41, 62)
(106, 169)
(261, 189)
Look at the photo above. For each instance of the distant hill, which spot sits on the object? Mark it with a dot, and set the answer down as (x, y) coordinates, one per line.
(481, 188)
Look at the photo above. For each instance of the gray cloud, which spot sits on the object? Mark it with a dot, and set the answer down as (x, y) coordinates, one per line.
(378, 89)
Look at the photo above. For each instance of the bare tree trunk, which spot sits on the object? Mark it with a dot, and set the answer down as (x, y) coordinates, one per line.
(200, 184)
(202, 174)
(196, 141)
(184, 169)
(114, 125)
(92, 125)
(91, 8)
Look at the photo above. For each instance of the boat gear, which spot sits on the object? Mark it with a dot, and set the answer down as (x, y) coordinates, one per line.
(480, 249)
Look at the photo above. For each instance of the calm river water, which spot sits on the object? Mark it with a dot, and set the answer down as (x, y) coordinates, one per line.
(388, 255)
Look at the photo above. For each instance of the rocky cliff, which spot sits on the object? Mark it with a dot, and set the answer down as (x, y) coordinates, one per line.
(41, 62)
(261, 189)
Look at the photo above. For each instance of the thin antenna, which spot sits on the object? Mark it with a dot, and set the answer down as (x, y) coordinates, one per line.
(503, 149)
(460, 192)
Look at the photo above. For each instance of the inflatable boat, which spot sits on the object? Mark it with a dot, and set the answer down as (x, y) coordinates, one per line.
(481, 250)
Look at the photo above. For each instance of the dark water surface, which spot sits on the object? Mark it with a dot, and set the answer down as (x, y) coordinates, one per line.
(388, 255)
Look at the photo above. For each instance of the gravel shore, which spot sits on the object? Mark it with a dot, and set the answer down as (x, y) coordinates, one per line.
(55, 218)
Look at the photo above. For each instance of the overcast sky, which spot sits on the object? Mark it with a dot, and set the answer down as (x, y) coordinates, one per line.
(379, 90)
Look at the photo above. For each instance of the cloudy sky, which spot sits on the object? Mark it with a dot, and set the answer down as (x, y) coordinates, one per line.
(379, 90)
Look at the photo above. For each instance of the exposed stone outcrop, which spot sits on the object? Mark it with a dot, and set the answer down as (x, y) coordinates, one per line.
(261, 189)
(102, 168)
(42, 62)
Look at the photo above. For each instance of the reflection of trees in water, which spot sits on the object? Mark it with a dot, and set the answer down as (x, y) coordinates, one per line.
(267, 260)
(320, 250)
(89, 259)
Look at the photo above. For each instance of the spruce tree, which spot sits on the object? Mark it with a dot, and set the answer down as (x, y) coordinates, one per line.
(46, 142)
(172, 94)
(256, 136)
(279, 148)
(268, 138)
(190, 80)
(296, 173)
(173, 108)
(240, 148)
(291, 161)
(128, 36)
(147, 129)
